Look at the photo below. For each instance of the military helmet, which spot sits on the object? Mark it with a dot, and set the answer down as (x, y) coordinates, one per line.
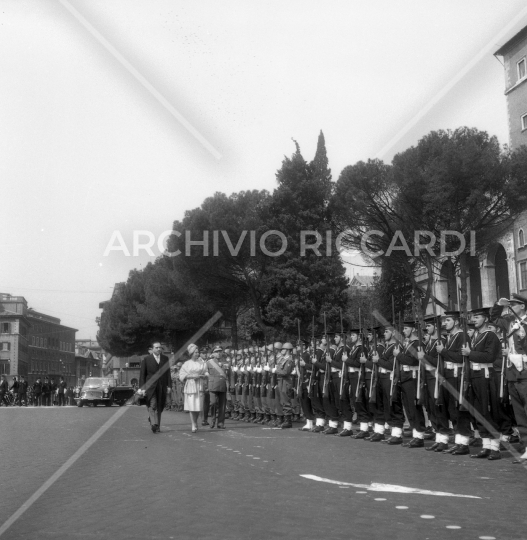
(287, 346)
(277, 346)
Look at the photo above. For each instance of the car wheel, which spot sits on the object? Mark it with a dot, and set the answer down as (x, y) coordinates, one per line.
(121, 403)
(80, 403)
(109, 403)
(95, 404)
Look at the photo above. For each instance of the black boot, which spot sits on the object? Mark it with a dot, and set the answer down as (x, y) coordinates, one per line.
(287, 422)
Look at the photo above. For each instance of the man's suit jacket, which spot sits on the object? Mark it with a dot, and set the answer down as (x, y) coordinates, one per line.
(4, 387)
(149, 369)
(217, 382)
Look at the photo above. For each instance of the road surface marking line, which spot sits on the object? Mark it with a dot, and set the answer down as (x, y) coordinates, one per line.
(388, 487)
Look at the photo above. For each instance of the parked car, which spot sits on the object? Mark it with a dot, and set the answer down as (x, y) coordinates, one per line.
(103, 390)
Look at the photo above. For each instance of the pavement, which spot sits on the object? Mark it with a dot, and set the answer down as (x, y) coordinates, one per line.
(245, 482)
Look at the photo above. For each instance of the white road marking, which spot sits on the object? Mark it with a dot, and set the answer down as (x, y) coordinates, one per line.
(388, 487)
(453, 527)
(402, 507)
(425, 516)
(379, 499)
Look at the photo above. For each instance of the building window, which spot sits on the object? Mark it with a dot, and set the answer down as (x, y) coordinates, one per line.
(523, 274)
(521, 239)
(6, 328)
(524, 122)
(521, 68)
(5, 346)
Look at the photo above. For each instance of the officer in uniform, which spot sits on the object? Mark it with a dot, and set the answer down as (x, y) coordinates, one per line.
(284, 372)
(259, 407)
(435, 407)
(481, 353)
(265, 386)
(409, 363)
(217, 383)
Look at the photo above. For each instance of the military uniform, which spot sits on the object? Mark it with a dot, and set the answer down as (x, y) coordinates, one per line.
(435, 406)
(284, 371)
(374, 408)
(356, 379)
(409, 369)
(4, 388)
(329, 400)
(516, 366)
(482, 395)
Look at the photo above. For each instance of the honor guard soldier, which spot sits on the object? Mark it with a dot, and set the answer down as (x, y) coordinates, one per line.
(237, 372)
(257, 384)
(37, 393)
(355, 363)
(409, 363)
(453, 364)
(217, 384)
(513, 327)
(388, 404)
(339, 368)
(433, 364)
(372, 380)
(306, 375)
(329, 400)
(276, 408)
(481, 354)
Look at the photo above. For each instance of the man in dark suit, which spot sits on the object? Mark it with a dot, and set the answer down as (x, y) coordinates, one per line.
(46, 393)
(37, 393)
(154, 382)
(217, 388)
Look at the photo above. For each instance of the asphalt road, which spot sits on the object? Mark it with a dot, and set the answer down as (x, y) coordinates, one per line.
(242, 483)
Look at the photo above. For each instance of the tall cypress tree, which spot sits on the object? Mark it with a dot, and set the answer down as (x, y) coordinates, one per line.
(302, 286)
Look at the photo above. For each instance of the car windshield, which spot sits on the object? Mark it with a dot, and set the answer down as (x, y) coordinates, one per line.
(93, 382)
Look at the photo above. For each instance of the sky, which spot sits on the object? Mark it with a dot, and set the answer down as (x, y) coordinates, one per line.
(88, 152)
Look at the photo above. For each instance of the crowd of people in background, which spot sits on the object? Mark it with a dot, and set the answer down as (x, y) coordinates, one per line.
(42, 393)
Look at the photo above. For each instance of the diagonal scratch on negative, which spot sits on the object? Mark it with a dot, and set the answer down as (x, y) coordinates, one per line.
(451, 390)
(144, 82)
(453, 81)
(94, 438)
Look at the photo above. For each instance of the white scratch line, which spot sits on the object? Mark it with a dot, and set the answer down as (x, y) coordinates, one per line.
(40, 491)
(388, 487)
(483, 52)
(160, 98)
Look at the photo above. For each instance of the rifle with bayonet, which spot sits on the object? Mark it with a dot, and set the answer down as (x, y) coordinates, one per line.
(258, 374)
(394, 377)
(312, 377)
(464, 385)
(361, 368)
(299, 370)
(421, 379)
(438, 387)
(344, 370)
(273, 378)
(375, 367)
(327, 366)
(265, 373)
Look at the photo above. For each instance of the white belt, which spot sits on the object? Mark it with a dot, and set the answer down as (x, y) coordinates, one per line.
(429, 368)
(353, 370)
(410, 368)
(335, 370)
(382, 370)
(454, 366)
(368, 370)
(474, 366)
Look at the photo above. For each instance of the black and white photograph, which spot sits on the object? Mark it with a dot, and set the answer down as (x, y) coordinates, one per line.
(263, 270)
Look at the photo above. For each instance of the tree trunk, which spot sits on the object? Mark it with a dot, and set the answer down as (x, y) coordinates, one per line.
(234, 329)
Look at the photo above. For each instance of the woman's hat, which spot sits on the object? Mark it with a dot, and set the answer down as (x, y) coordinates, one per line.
(191, 348)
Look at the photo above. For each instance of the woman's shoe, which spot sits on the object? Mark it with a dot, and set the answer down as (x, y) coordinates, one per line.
(194, 430)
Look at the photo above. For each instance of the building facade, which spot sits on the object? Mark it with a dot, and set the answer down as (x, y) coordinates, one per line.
(34, 344)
